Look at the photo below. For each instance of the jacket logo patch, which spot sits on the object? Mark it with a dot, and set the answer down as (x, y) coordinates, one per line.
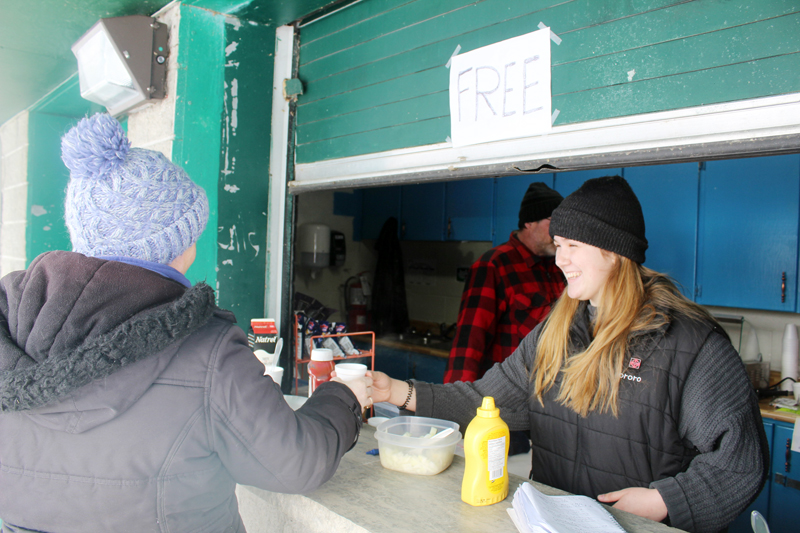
(635, 363)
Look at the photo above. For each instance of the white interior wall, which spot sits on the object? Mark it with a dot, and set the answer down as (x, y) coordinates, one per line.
(769, 327)
(13, 193)
(327, 284)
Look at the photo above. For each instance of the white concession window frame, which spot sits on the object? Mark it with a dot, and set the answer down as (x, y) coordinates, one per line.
(762, 126)
(278, 158)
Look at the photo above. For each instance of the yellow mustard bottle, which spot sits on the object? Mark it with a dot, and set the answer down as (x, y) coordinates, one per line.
(486, 452)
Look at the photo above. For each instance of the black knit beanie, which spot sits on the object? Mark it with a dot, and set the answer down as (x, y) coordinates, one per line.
(538, 203)
(605, 213)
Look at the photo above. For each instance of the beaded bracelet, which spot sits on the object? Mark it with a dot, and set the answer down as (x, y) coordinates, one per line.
(410, 390)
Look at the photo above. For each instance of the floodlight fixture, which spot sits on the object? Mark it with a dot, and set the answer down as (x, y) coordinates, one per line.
(122, 62)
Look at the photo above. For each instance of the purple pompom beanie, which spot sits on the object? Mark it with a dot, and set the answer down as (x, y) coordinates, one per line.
(124, 201)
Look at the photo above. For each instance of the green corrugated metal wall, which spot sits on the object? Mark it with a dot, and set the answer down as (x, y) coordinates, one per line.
(375, 76)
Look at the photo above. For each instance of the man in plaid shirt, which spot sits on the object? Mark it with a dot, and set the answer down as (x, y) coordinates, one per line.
(508, 291)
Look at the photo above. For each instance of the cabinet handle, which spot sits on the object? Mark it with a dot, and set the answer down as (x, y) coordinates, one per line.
(403, 230)
(449, 226)
(783, 287)
(788, 465)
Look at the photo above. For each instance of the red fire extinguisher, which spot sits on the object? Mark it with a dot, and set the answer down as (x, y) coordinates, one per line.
(356, 291)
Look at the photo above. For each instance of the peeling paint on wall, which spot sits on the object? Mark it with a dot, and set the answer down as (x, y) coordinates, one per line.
(244, 152)
(234, 105)
(38, 210)
(235, 22)
(240, 244)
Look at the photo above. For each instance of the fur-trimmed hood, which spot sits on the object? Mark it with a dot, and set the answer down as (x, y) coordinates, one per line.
(71, 328)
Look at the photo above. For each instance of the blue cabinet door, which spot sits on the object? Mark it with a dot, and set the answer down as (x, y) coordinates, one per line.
(761, 504)
(668, 194)
(468, 210)
(567, 183)
(784, 497)
(508, 194)
(378, 205)
(748, 227)
(423, 212)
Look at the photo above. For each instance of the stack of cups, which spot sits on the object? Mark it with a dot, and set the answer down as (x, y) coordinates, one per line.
(789, 359)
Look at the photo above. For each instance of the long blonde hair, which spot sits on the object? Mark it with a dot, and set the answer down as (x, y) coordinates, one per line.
(634, 299)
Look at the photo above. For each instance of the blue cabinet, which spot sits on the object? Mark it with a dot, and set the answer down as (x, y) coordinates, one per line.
(784, 482)
(377, 206)
(748, 233)
(761, 504)
(726, 231)
(422, 208)
(668, 194)
(508, 194)
(779, 500)
(567, 183)
(469, 207)
(454, 211)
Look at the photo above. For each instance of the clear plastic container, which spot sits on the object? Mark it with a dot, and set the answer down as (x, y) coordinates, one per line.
(406, 444)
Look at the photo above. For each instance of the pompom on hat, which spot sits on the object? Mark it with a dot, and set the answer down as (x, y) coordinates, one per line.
(605, 213)
(124, 201)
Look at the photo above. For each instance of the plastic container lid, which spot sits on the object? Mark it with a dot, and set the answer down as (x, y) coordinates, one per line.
(406, 444)
(321, 354)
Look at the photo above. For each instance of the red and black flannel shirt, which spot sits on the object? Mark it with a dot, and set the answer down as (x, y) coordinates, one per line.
(508, 291)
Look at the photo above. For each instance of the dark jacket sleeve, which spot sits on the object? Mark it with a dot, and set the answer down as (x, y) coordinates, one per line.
(721, 418)
(261, 441)
(507, 382)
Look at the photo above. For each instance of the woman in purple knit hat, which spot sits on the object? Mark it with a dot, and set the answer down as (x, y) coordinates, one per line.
(128, 400)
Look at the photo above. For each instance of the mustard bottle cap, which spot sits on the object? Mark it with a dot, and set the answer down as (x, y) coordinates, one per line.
(487, 408)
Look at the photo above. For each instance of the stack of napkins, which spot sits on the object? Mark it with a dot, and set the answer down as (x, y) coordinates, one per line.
(533, 512)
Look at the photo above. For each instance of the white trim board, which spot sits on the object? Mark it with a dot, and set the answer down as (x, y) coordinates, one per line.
(743, 120)
(278, 155)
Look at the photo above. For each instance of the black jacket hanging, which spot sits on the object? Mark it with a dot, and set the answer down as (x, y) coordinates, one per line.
(389, 306)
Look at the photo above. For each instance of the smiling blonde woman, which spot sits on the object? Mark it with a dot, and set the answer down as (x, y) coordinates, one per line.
(632, 393)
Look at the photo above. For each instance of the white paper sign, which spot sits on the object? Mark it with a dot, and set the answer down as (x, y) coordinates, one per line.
(501, 91)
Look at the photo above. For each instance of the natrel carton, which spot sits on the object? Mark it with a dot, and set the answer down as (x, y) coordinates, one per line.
(264, 336)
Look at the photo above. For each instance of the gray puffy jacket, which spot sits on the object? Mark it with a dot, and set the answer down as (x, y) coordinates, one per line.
(130, 403)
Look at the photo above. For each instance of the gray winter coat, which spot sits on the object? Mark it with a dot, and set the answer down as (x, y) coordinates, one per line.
(130, 403)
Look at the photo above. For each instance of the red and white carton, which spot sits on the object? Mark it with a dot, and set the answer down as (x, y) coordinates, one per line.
(264, 338)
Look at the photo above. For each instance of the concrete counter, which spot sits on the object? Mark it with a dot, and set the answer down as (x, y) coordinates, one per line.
(365, 497)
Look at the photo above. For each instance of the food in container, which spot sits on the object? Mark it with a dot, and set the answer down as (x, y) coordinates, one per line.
(407, 444)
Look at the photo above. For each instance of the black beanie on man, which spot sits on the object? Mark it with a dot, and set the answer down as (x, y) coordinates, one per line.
(605, 213)
(538, 203)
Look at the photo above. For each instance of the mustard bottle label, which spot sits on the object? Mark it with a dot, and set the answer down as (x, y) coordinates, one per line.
(493, 453)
